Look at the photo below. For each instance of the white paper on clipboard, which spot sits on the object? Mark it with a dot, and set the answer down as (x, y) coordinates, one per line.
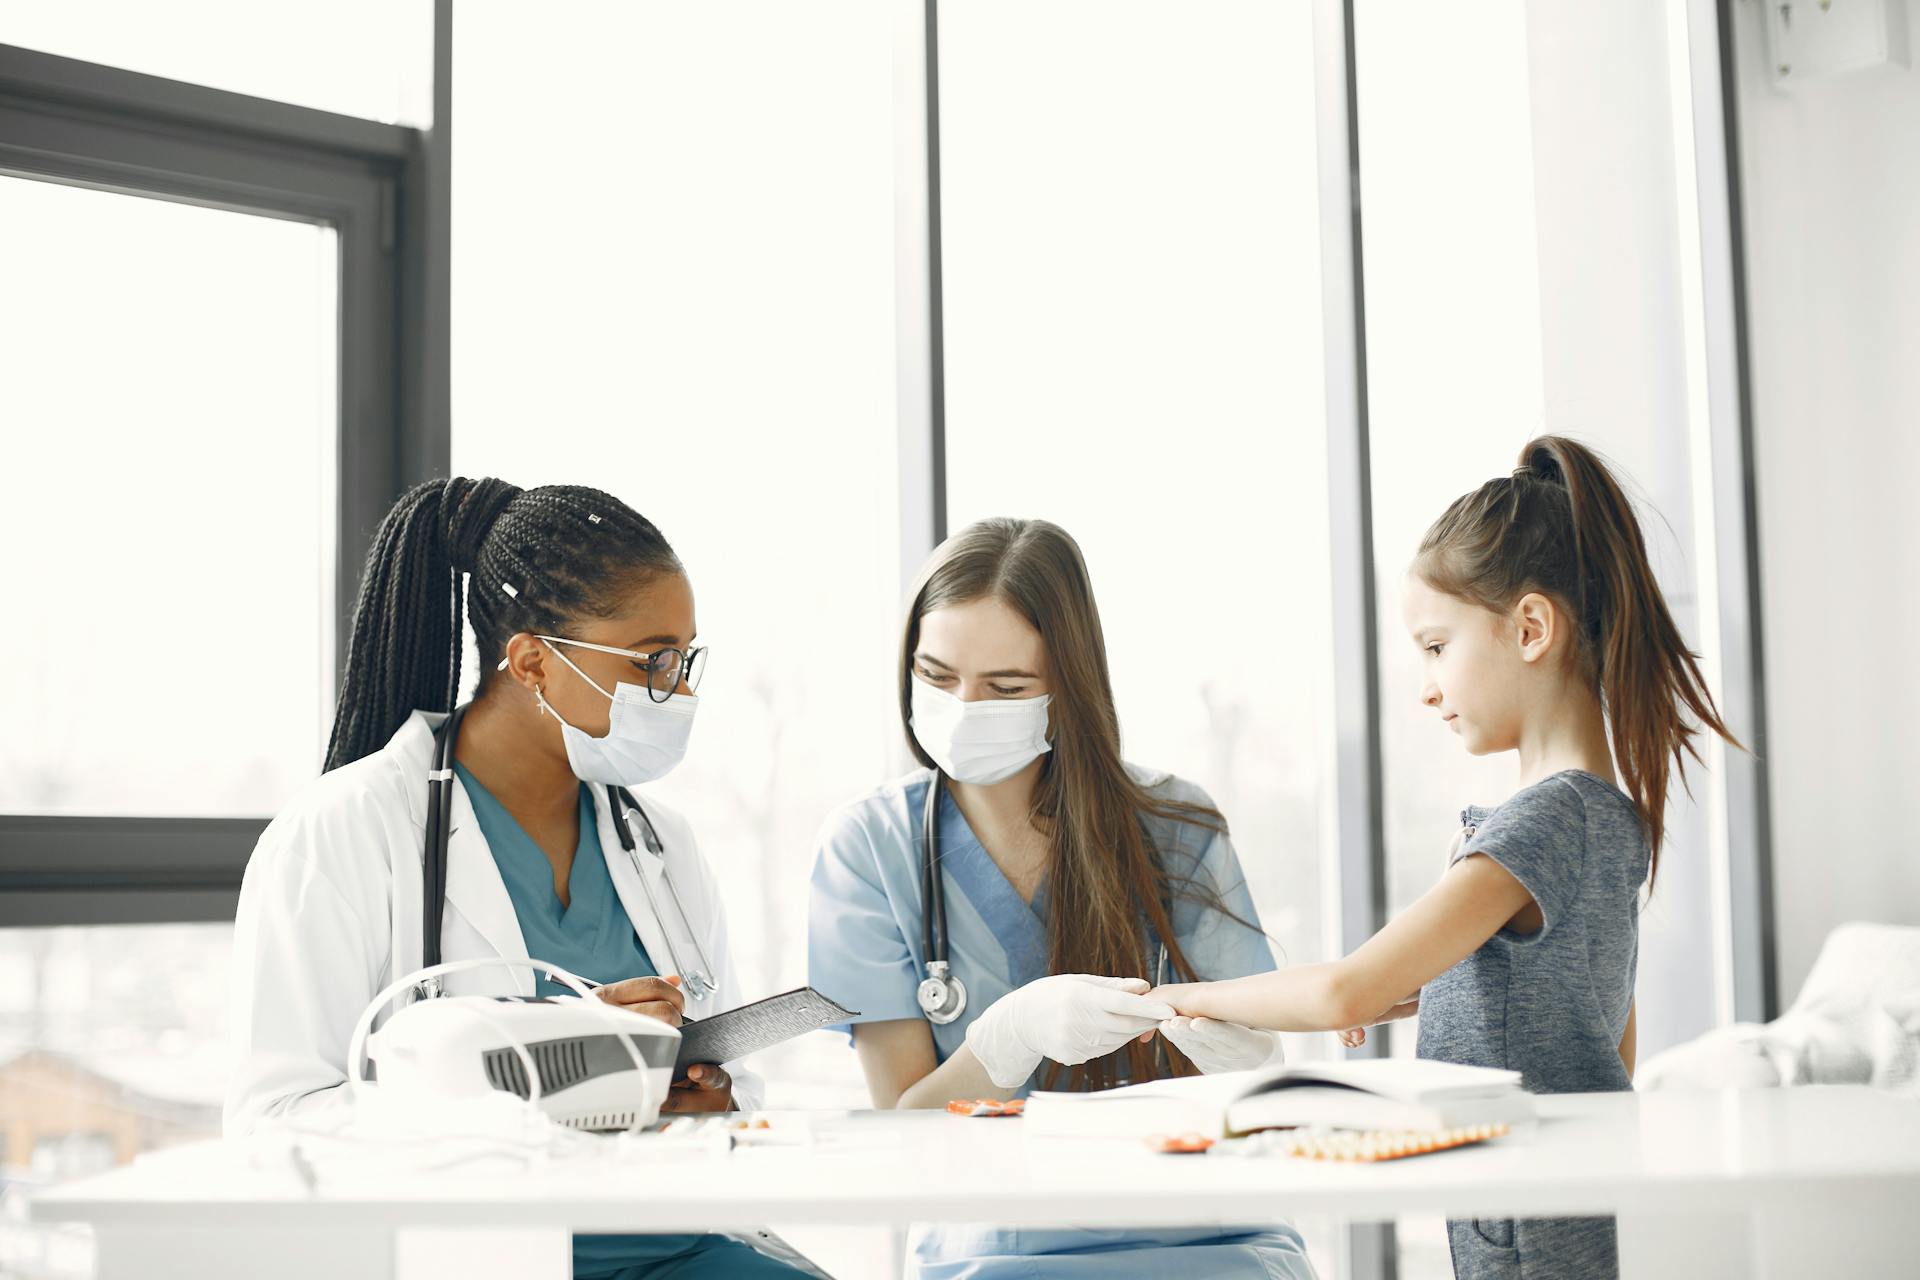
(753, 1027)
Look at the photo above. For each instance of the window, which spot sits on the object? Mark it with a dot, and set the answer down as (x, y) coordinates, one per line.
(1133, 351)
(170, 388)
(1453, 352)
(208, 284)
(727, 290)
(112, 1042)
(204, 371)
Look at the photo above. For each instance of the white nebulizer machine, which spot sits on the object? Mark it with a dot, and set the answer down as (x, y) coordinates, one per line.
(586, 1064)
(466, 1080)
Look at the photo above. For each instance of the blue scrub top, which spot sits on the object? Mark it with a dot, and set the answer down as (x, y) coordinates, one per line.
(865, 945)
(864, 949)
(593, 936)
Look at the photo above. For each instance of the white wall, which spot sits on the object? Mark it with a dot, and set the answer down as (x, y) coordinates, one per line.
(1831, 183)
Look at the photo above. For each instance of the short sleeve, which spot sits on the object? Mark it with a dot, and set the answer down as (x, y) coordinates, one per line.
(856, 952)
(1218, 926)
(1540, 837)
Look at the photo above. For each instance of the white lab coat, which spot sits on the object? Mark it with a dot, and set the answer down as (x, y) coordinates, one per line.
(330, 914)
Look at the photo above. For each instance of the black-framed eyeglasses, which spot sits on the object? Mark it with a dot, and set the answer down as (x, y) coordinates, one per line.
(667, 669)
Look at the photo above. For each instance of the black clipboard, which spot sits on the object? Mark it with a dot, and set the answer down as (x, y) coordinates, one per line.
(753, 1027)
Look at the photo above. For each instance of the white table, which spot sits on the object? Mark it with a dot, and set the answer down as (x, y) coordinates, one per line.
(1814, 1181)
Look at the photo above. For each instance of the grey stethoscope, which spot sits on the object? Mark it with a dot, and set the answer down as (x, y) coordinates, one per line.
(942, 996)
(697, 981)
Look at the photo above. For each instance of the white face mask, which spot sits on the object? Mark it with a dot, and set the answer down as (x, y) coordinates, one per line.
(979, 742)
(645, 739)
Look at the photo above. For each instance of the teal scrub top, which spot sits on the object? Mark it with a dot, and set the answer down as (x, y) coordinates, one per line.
(593, 937)
(864, 949)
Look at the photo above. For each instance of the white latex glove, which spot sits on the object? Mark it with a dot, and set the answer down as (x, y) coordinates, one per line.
(1221, 1046)
(1069, 1018)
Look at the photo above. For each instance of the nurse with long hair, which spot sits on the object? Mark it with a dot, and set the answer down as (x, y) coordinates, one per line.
(1013, 949)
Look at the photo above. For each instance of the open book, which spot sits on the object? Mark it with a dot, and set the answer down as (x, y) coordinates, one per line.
(1373, 1093)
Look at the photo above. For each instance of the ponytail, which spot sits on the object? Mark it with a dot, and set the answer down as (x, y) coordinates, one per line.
(538, 560)
(1561, 525)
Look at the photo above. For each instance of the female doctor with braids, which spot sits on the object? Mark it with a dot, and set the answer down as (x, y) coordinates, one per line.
(585, 625)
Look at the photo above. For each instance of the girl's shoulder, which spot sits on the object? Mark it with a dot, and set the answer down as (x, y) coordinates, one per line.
(1612, 823)
(1570, 829)
(1590, 787)
(1567, 795)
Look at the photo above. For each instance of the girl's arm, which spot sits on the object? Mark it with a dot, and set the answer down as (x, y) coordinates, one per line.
(1354, 1037)
(1628, 1043)
(1449, 923)
(903, 1070)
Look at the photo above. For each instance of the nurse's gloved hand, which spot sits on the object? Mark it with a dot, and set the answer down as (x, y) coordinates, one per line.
(1215, 1046)
(1070, 1018)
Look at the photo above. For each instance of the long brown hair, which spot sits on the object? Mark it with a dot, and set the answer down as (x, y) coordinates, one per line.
(1104, 876)
(1561, 525)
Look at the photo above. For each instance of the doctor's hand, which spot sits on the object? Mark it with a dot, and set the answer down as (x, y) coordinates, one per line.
(656, 997)
(703, 1088)
(1215, 1046)
(1070, 1018)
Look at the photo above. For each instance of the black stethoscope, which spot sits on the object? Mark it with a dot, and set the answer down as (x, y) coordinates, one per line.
(697, 982)
(942, 996)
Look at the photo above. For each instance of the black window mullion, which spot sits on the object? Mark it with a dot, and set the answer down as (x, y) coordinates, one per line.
(74, 870)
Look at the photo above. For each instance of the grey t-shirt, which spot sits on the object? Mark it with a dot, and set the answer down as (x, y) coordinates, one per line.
(1551, 1004)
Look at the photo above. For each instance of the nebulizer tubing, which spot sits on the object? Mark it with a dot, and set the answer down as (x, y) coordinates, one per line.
(357, 1046)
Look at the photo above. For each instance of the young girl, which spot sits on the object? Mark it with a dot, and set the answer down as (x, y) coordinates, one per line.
(1545, 634)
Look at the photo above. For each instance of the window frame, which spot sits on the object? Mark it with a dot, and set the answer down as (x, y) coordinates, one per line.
(384, 189)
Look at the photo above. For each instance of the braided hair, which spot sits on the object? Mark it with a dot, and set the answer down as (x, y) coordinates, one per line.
(538, 560)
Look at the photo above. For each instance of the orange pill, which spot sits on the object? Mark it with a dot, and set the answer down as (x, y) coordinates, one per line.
(1179, 1144)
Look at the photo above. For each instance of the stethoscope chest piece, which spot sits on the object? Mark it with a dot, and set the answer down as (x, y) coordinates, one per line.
(943, 997)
